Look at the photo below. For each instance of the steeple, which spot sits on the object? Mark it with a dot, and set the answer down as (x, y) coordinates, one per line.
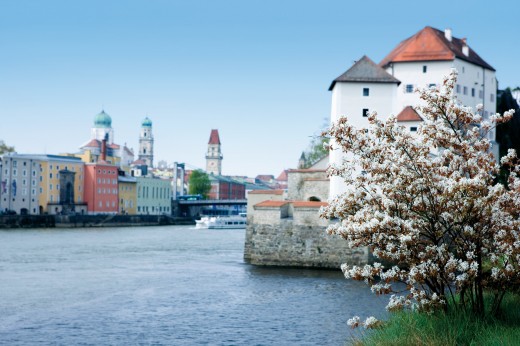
(214, 155)
(146, 142)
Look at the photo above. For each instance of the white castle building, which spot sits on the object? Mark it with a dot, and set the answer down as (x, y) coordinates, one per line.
(422, 60)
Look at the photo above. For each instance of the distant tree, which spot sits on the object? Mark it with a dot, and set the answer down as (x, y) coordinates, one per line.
(508, 134)
(4, 148)
(432, 207)
(316, 151)
(199, 183)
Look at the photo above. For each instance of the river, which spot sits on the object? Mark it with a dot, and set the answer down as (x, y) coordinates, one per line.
(170, 285)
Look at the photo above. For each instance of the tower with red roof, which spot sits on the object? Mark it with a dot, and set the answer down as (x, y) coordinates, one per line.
(214, 154)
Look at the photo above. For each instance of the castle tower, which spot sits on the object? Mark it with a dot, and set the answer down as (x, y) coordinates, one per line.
(214, 155)
(146, 142)
(102, 128)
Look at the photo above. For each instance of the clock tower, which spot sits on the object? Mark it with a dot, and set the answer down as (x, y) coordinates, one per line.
(214, 155)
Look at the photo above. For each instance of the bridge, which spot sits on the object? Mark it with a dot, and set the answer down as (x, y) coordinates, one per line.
(195, 208)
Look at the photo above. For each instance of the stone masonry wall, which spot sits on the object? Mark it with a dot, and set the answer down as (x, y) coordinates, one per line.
(300, 241)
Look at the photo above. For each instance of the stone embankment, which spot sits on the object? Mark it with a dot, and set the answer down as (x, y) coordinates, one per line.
(285, 233)
(66, 221)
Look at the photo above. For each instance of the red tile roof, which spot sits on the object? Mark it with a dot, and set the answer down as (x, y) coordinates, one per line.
(265, 177)
(306, 170)
(214, 138)
(282, 176)
(266, 192)
(408, 114)
(138, 162)
(431, 44)
(309, 204)
(94, 143)
(271, 204)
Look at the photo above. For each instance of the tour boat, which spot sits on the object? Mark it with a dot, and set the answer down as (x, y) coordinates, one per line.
(222, 222)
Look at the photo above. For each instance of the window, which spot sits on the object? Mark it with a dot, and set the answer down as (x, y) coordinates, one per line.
(457, 88)
(492, 97)
(432, 85)
(465, 90)
(408, 88)
(480, 94)
(50, 186)
(50, 175)
(424, 69)
(413, 128)
(472, 92)
(365, 112)
(366, 91)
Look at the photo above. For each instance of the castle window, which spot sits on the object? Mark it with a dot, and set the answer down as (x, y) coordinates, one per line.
(365, 112)
(408, 88)
(424, 68)
(366, 91)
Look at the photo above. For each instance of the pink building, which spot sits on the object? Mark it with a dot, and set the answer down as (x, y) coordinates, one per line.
(101, 188)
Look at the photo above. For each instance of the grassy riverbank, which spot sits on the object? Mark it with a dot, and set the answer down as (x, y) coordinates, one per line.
(456, 328)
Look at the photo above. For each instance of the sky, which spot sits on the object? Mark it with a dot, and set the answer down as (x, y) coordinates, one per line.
(256, 70)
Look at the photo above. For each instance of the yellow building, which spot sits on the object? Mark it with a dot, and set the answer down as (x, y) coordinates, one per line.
(50, 180)
(127, 195)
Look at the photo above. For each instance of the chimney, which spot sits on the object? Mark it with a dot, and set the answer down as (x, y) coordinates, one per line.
(104, 148)
(465, 48)
(447, 34)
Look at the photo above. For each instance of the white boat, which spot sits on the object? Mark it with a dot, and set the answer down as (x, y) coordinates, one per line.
(222, 222)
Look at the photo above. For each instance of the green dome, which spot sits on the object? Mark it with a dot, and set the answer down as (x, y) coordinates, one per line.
(103, 120)
(146, 122)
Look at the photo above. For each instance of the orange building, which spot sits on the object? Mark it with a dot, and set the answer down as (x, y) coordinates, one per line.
(101, 188)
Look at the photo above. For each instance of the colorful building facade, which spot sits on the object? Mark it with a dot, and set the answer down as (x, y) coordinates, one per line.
(101, 188)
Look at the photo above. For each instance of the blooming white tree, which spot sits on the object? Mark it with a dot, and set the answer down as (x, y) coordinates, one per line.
(429, 204)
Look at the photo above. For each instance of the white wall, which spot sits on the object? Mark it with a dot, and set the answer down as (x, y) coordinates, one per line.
(348, 100)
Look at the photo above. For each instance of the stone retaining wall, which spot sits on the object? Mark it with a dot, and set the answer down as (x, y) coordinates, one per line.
(292, 234)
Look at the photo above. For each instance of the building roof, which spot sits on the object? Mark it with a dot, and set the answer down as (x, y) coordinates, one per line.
(271, 204)
(365, 70)
(431, 44)
(102, 120)
(266, 192)
(309, 204)
(282, 176)
(408, 114)
(93, 143)
(265, 177)
(146, 122)
(214, 138)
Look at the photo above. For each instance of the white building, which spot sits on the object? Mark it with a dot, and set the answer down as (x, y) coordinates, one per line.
(422, 60)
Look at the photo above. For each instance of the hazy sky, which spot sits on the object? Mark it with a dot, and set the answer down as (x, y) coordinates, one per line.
(258, 71)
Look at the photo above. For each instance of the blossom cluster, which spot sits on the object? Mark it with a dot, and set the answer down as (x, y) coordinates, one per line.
(429, 203)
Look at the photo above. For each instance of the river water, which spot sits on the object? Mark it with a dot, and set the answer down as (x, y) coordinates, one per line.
(170, 285)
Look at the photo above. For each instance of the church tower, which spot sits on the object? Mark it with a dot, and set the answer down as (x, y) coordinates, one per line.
(214, 155)
(102, 128)
(146, 142)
